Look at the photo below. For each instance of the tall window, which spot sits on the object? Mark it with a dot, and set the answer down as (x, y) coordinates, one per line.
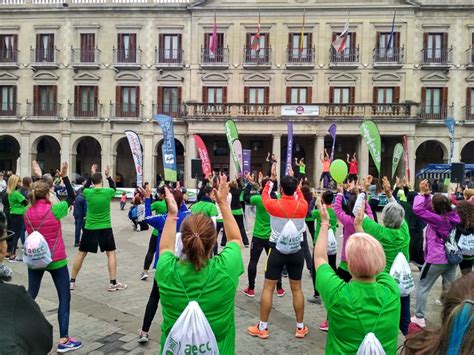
(383, 52)
(300, 49)
(128, 101)
(45, 48)
(170, 48)
(384, 98)
(257, 99)
(257, 49)
(470, 103)
(45, 99)
(86, 101)
(214, 97)
(218, 55)
(343, 99)
(8, 48)
(169, 100)
(435, 47)
(298, 95)
(87, 47)
(8, 100)
(349, 53)
(434, 102)
(127, 47)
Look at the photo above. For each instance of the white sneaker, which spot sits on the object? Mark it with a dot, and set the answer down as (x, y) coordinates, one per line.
(418, 321)
(144, 276)
(139, 228)
(72, 286)
(117, 287)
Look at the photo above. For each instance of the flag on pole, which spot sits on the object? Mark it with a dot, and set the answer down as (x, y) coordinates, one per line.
(450, 123)
(203, 154)
(392, 31)
(289, 148)
(301, 44)
(213, 44)
(256, 37)
(332, 133)
(370, 133)
(168, 147)
(340, 43)
(137, 155)
(396, 157)
(405, 147)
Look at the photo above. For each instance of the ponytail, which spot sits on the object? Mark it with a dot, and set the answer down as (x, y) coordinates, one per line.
(39, 191)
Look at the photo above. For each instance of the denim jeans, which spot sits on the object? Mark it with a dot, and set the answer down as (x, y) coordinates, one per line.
(404, 314)
(61, 281)
(79, 223)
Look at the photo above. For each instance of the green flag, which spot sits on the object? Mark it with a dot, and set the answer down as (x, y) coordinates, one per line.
(232, 135)
(371, 135)
(397, 155)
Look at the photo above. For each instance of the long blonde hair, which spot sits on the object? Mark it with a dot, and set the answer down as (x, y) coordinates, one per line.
(12, 183)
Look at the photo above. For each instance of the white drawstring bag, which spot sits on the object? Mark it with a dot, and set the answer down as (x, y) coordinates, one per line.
(332, 242)
(370, 346)
(401, 272)
(466, 244)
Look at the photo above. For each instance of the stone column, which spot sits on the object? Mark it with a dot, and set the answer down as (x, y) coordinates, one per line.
(148, 159)
(189, 154)
(456, 150)
(66, 149)
(107, 154)
(276, 149)
(23, 167)
(363, 158)
(318, 150)
(411, 159)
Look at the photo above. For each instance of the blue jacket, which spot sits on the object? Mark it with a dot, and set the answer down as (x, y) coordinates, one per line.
(80, 207)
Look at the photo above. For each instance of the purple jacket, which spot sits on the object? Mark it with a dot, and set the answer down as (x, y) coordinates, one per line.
(437, 225)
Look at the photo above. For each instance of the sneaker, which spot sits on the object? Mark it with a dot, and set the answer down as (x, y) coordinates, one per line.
(117, 287)
(144, 276)
(247, 245)
(76, 245)
(439, 302)
(19, 259)
(72, 286)
(419, 321)
(255, 332)
(300, 333)
(324, 326)
(315, 300)
(280, 292)
(71, 345)
(12, 259)
(249, 293)
(142, 337)
(139, 228)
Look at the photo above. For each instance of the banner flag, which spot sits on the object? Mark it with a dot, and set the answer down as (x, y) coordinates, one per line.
(332, 132)
(136, 148)
(232, 135)
(407, 166)
(340, 43)
(203, 155)
(289, 148)
(246, 157)
(168, 148)
(371, 135)
(213, 44)
(238, 151)
(450, 123)
(397, 156)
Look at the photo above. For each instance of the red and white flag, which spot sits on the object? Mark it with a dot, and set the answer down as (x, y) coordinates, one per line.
(256, 37)
(213, 44)
(340, 43)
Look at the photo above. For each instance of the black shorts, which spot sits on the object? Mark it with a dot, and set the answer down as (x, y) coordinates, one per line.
(276, 261)
(92, 238)
(353, 177)
(325, 174)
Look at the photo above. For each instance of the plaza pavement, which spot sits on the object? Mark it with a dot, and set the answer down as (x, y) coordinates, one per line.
(107, 323)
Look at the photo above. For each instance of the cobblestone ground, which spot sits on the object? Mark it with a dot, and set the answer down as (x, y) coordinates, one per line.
(107, 323)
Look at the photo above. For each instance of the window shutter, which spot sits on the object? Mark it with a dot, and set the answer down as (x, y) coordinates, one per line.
(205, 94)
(377, 40)
(290, 41)
(224, 94)
(396, 40)
(180, 42)
(133, 42)
(425, 40)
(38, 42)
(160, 96)
(288, 95)
(375, 94)
(96, 100)
(248, 40)
(309, 94)
(161, 41)
(15, 42)
(444, 103)
(352, 95)
(423, 98)
(468, 98)
(334, 35)
(35, 100)
(137, 102)
(207, 38)
(55, 95)
(331, 95)
(353, 41)
(118, 100)
(267, 40)
(77, 96)
(444, 44)
(266, 99)
(396, 95)
(310, 40)
(246, 95)
(14, 99)
(179, 94)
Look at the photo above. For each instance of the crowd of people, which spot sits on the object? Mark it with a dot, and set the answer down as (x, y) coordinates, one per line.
(197, 251)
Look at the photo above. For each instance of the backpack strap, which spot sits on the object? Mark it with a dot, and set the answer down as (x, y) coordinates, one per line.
(357, 313)
(283, 210)
(41, 223)
(184, 288)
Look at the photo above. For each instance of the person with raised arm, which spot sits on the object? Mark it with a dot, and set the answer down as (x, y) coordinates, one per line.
(326, 163)
(353, 168)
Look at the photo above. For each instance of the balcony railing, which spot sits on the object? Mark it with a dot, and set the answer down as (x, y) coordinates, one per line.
(273, 110)
(347, 56)
(46, 56)
(124, 56)
(84, 110)
(8, 56)
(122, 110)
(220, 57)
(257, 57)
(468, 113)
(43, 109)
(301, 56)
(169, 57)
(8, 109)
(436, 56)
(433, 112)
(388, 56)
(172, 110)
(86, 57)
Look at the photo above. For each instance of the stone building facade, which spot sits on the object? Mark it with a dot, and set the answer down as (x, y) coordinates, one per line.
(75, 74)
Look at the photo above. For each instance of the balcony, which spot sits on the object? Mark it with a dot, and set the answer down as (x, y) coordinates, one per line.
(43, 110)
(300, 58)
(439, 58)
(172, 110)
(347, 59)
(85, 58)
(470, 58)
(169, 58)
(272, 111)
(44, 58)
(9, 110)
(434, 113)
(391, 58)
(9, 58)
(468, 113)
(127, 59)
(82, 111)
(257, 59)
(126, 112)
(218, 60)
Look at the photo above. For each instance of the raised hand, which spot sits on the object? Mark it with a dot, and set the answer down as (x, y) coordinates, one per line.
(323, 212)
(358, 219)
(340, 188)
(386, 187)
(220, 194)
(107, 171)
(274, 173)
(64, 168)
(171, 202)
(398, 182)
(93, 168)
(260, 177)
(425, 187)
(36, 169)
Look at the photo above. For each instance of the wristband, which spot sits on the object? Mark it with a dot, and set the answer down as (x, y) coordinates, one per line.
(325, 224)
(172, 218)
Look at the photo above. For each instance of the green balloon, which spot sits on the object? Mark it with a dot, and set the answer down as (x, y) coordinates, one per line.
(338, 170)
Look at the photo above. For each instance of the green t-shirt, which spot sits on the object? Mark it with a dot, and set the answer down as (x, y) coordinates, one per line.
(317, 218)
(393, 240)
(261, 228)
(15, 199)
(302, 168)
(205, 207)
(158, 207)
(357, 308)
(218, 292)
(98, 207)
(59, 210)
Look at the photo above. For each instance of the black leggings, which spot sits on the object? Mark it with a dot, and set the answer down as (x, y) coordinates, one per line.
(151, 307)
(150, 252)
(17, 227)
(239, 218)
(373, 203)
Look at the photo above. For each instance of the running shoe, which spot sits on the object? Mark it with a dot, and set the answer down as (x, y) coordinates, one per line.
(12, 259)
(144, 276)
(72, 286)
(117, 287)
(280, 292)
(249, 293)
(256, 332)
(142, 337)
(300, 333)
(419, 321)
(139, 228)
(315, 300)
(71, 345)
(324, 326)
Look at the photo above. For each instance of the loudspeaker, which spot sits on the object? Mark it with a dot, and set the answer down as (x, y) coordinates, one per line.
(457, 173)
(196, 168)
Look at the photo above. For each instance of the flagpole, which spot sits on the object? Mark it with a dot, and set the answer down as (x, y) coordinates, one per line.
(302, 31)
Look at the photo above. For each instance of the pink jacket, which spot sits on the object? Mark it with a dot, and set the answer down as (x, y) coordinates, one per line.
(51, 228)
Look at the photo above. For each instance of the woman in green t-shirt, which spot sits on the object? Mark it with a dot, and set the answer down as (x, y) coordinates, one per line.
(370, 302)
(212, 282)
(18, 204)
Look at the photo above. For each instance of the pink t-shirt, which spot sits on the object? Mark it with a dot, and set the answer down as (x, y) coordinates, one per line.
(326, 165)
(123, 198)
